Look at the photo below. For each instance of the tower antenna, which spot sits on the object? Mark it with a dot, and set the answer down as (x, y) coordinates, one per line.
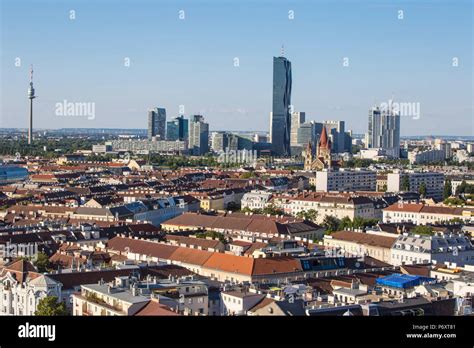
(282, 50)
(31, 96)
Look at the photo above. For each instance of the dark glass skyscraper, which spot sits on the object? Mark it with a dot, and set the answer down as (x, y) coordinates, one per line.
(280, 121)
(177, 129)
(157, 123)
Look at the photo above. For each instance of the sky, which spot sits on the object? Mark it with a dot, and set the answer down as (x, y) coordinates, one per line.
(215, 58)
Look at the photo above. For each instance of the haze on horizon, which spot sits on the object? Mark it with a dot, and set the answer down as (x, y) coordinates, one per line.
(190, 62)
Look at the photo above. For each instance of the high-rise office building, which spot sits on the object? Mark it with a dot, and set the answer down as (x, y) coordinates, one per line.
(348, 141)
(157, 123)
(225, 141)
(280, 119)
(219, 141)
(336, 130)
(307, 133)
(198, 135)
(177, 129)
(297, 119)
(384, 131)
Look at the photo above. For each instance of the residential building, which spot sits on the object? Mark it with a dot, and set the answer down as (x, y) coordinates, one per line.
(239, 302)
(437, 249)
(338, 205)
(245, 225)
(23, 287)
(361, 244)
(421, 214)
(256, 199)
(433, 182)
(426, 156)
(346, 180)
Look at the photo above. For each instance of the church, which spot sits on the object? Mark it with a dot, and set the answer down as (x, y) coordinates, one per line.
(322, 159)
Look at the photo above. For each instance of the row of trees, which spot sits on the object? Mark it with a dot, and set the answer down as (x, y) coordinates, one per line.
(422, 190)
(332, 223)
(269, 210)
(63, 145)
(175, 162)
(465, 188)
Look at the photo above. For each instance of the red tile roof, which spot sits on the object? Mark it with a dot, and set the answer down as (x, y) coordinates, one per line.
(276, 265)
(364, 238)
(230, 263)
(154, 308)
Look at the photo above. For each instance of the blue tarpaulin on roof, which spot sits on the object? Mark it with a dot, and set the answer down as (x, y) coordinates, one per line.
(402, 281)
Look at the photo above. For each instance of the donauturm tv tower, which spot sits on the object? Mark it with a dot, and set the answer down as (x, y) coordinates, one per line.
(31, 96)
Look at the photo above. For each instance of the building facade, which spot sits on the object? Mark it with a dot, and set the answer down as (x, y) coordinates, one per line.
(412, 181)
(438, 249)
(346, 180)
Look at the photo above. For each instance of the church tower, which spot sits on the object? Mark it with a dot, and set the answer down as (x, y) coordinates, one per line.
(324, 148)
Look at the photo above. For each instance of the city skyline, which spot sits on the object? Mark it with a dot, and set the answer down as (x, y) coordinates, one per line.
(235, 78)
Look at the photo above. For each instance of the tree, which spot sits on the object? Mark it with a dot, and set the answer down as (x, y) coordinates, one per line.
(422, 190)
(421, 229)
(454, 201)
(49, 306)
(310, 215)
(447, 191)
(272, 210)
(248, 175)
(331, 223)
(345, 223)
(465, 188)
(211, 234)
(42, 262)
(405, 183)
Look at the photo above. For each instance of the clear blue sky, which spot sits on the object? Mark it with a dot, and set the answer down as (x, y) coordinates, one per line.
(190, 62)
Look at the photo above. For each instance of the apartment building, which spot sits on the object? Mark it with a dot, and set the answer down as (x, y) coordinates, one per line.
(338, 205)
(361, 244)
(434, 183)
(256, 199)
(421, 214)
(437, 249)
(23, 287)
(107, 300)
(346, 180)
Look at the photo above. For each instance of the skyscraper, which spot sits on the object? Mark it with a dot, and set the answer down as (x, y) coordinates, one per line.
(297, 119)
(307, 133)
(280, 119)
(384, 131)
(336, 129)
(31, 96)
(198, 136)
(157, 123)
(177, 129)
